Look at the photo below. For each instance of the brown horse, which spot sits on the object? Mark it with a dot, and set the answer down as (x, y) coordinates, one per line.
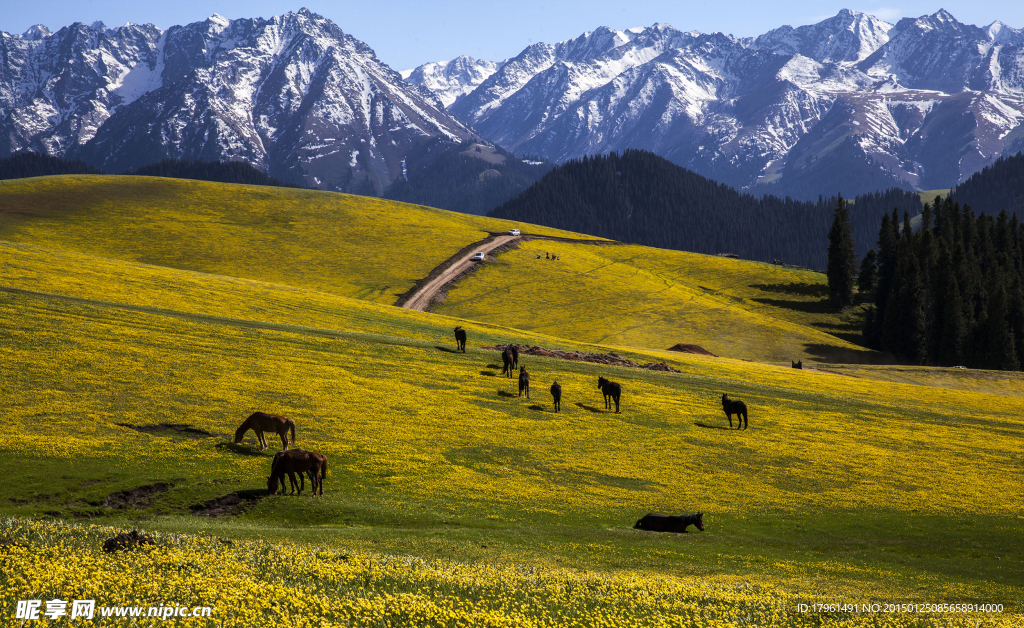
(297, 461)
(260, 422)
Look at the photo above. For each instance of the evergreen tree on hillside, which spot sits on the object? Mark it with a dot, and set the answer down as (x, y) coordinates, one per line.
(955, 292)
(867, 278)
(842, 260)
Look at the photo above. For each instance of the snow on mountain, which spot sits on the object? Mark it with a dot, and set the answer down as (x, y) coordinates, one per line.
(849, 36)
(737, 109)
(453, 79)
(293, 95)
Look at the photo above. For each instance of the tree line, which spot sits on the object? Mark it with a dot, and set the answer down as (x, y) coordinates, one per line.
(642, 198)
(946, 294)
(28, 164)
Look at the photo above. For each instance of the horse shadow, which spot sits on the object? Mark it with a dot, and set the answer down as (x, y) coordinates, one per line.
(712, 427)
(505, 393)
(493, 366)
(245, 450)
(489, 373)
(446, 349)
(536, 407)
(589, 408)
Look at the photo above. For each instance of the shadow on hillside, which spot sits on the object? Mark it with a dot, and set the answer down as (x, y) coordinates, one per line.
(802, 289)
(809, 307)
(447, 349)
(712, 427)
(504, 393)
(242, 448)
(842, 355)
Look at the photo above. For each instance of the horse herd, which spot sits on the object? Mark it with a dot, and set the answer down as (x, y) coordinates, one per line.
(612, 391)
(287, 461)
(314, 465)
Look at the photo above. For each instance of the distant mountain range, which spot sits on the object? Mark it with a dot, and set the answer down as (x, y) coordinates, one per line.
(292, 95)
(849, 105)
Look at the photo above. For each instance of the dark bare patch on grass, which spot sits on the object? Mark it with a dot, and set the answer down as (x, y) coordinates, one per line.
(170, 429)
(229, 505)
(136, 497)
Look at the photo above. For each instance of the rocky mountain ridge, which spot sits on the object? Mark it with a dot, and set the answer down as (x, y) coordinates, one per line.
(293, 95)
(922, 103)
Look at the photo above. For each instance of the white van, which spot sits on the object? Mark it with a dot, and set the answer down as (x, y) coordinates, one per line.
(478, 256)
(514, 232)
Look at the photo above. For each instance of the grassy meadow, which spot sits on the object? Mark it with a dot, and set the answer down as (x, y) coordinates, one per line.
(450, 500)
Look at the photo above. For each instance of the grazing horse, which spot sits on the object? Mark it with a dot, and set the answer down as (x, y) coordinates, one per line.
(611, 391)
(260, 422)
(556, 392)
(460, 338)
(506, 360)
(736, 407)
(297, 461)
(798, 365)
(515, 355)
(291, 474)
(524, 382)
(657, 522)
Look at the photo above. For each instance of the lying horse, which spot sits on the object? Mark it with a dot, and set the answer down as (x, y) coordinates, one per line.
(611, 391)
(657, 522)
(556, 392)
(734, 407)
(298, 461)
(460, 338)
(260, 422)
(506, 360)
(798, 365)
(524, 382)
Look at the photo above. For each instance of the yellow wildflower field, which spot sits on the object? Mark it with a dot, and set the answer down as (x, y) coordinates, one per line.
(257, 584)
(842, 488)
(354, 246)
(635, 296)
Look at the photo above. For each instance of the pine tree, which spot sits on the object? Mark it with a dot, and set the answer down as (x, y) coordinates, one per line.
(867, 280)
(842, 259)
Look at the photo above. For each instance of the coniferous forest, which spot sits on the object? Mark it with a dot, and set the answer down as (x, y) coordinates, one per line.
(641, 198)
(996, 187)
(949, 294)
(28, 164)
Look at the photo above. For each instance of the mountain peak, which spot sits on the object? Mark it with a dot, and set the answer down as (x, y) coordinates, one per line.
(35, 33)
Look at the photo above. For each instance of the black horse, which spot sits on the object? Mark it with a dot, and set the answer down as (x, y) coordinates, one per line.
(798, 365)
(460, 338)
(524, 382)
(506, 360)
(556, 392)
(611, 391)
(657, 522)
(734, 407)
(515, 355)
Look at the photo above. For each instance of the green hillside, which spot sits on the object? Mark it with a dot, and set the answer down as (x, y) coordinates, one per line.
(450, 500)
(375, 250)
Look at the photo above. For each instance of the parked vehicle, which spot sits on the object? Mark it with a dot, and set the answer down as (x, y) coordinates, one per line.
(514, 232)
(478, 256)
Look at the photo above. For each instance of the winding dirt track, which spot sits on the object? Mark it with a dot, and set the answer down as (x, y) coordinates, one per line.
(421, 298)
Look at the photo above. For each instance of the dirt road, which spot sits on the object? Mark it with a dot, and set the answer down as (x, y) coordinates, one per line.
(421, 298)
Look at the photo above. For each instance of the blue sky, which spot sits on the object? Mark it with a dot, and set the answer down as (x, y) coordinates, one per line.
(406, 33)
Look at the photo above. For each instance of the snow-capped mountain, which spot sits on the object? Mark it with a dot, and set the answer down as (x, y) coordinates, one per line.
(293, 95)
(451, 79)
(923, 103)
